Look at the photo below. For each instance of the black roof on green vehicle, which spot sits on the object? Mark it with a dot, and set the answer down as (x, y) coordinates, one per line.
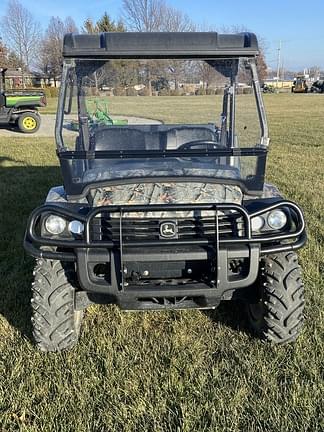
(205, 45)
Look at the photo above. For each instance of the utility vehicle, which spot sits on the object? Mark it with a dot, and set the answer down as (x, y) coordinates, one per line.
(20, 107)
(299, 85)
(171, 215)
(266, 88)
(100, 116)
(317, 86)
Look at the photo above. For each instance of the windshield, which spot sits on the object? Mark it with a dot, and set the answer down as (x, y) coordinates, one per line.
(125, 119)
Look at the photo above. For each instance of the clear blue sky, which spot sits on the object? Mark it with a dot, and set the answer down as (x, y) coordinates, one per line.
(299, 24)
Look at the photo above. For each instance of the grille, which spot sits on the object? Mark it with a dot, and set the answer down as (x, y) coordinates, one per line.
(105, 228)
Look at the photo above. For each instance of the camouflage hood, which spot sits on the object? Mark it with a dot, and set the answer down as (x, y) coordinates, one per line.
(156, 193)
(163, 193)
(167, 193)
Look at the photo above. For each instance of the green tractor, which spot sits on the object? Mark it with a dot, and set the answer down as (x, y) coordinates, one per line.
(99, 117)
(20, 107)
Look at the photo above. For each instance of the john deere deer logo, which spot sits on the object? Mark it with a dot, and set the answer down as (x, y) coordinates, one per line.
(168, 229)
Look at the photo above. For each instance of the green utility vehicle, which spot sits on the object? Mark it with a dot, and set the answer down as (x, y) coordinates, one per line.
(99, 117)
(165, 215)
(20, 107)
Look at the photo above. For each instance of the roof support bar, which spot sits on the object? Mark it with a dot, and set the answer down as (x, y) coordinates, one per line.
(60, 105)
(260, 105)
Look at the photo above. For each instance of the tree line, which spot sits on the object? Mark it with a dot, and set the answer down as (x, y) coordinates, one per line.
(26, 46)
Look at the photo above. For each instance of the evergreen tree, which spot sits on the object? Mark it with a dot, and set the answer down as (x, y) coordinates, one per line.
(104, 24)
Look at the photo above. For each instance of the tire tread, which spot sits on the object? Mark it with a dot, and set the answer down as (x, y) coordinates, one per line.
(53, 307)
(282, 298)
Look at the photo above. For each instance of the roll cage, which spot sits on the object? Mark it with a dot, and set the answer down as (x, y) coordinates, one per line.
(221, 52)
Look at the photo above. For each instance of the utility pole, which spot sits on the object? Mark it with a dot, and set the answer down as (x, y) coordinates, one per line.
(278, 62)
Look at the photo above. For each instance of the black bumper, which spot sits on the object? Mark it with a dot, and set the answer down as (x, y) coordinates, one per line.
(163, 292)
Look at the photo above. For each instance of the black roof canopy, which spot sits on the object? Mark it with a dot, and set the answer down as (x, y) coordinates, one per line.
(205, 45)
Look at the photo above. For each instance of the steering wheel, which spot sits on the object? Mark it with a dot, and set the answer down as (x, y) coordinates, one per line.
(209, 145)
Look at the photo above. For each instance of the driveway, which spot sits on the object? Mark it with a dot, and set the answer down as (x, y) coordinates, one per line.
(48, 124)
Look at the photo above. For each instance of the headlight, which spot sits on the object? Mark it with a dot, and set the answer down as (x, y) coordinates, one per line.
(257, 223)
(55, 224)
(76, 227)
(277, 219)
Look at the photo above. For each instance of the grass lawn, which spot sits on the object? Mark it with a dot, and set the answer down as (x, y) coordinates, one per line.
(165, 371)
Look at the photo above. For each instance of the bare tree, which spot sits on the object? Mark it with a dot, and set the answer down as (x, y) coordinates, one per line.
(144, 15)
(21, 33)
(50, 59)
(3, 56)
(8, 59)
(175, 20)
(156, 16)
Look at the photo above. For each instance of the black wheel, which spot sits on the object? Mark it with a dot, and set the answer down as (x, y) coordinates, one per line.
(278, 315)
(56, 323)
(29, 122)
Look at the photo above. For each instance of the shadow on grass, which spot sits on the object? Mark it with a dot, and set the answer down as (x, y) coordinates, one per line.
(21, 190)
(10, 128)
(232, 314)
(4, 159)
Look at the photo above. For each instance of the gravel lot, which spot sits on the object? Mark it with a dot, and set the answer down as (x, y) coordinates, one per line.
(48, 124)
